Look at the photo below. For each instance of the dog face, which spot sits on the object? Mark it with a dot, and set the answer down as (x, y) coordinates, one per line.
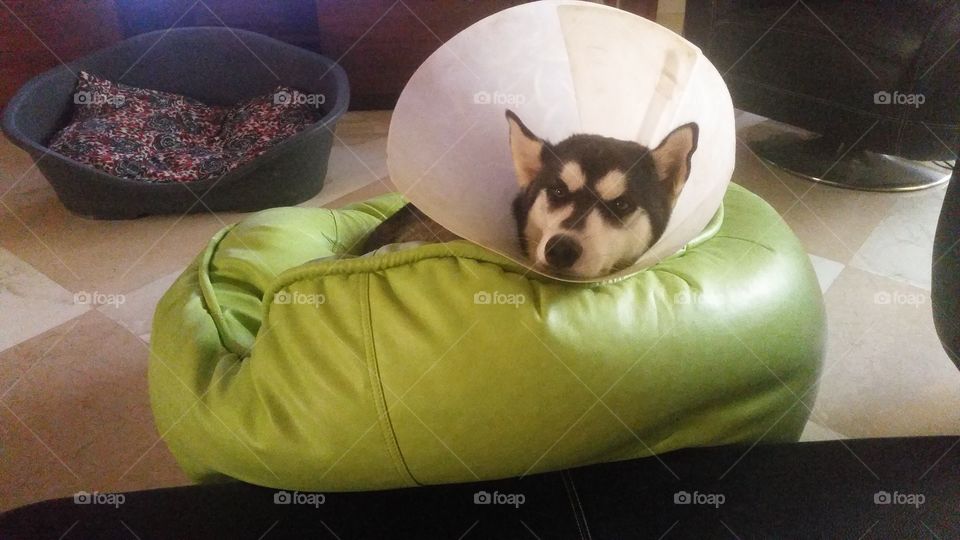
(591, 205)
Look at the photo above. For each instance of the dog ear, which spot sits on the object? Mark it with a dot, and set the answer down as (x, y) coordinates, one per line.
(672, 157)
(526, 149)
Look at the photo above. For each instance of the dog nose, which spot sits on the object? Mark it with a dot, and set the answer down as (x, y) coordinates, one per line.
(562, 251)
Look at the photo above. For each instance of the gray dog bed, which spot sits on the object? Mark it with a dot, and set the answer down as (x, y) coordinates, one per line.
(217, 66)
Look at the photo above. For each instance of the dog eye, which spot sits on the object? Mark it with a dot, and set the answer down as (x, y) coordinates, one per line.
(558, 191)
(621, 205)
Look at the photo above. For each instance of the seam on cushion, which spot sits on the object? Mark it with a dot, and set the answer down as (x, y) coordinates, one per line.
(376, 386)
(676, 275)
(749, 241)
(210, 301)
(336, 232)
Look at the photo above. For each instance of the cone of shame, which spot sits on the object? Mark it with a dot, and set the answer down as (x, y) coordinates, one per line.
(564, 67)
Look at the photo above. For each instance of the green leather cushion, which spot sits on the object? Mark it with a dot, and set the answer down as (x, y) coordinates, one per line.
(447, 363)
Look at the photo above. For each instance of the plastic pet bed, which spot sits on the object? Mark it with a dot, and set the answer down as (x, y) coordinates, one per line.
(217, 66)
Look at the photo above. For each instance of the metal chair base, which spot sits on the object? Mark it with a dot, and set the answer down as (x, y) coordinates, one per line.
(829, 162)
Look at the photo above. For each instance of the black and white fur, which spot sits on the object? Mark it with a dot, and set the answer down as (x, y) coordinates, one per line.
(591, 205)
(588, 205)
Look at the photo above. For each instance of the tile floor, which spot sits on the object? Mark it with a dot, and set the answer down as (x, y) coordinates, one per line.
(77, 296)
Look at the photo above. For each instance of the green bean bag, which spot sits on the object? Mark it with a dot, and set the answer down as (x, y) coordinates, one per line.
(448, 363)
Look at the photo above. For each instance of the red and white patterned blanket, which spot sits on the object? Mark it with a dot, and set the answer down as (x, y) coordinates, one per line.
(155, 136)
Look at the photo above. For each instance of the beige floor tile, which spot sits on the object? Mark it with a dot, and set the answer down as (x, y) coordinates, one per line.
(358, 127)
(901, 246)
(367, 192)
(351, 168)
(827, 271)
(134, 310)
(30, 302)
(744, 120)
(104, 257)
(24, 357)
(780, 189)
(886, 373)
(154, 467)
(17, 173)
(673, 21)
(815, 432)
(78, 415)
(31, 471)
(831, 222)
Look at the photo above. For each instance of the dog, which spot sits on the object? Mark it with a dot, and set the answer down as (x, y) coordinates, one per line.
(587, 206)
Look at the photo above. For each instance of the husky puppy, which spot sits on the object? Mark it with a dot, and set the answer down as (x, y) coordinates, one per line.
(588, 205)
